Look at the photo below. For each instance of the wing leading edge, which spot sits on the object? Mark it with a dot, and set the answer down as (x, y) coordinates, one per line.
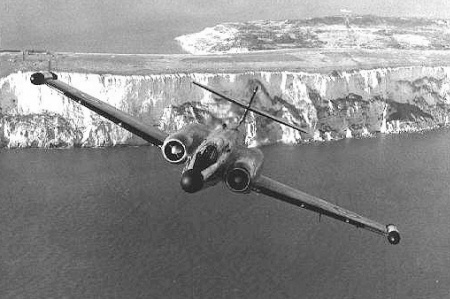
(125, 120)
(296, 197)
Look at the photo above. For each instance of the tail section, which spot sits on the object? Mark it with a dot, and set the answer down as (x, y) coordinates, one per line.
(249, 108)
(249, 105)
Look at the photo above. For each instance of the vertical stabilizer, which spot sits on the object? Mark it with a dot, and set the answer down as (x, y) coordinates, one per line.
(248, 107)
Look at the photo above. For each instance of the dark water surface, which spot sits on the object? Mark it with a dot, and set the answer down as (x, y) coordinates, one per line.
(114, 223)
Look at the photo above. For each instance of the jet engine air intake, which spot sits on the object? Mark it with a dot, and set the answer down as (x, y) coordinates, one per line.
(245, 168)
(174, 151)
(178, 146)
(238, 179)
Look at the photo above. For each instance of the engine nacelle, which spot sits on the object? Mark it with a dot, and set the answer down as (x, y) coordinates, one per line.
(178, 146)
(393, 235)
(40, 78)
(244, 170)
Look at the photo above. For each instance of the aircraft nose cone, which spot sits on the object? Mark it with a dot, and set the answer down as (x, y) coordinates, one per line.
(191, 181)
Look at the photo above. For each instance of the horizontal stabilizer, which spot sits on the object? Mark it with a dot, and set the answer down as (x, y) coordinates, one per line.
(255, 110)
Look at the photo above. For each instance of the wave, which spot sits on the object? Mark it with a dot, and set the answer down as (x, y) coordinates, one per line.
(365, 32)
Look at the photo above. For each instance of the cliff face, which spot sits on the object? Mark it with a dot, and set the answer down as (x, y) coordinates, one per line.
(331, 106)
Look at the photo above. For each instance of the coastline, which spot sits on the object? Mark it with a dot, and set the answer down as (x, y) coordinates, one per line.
(357, 83)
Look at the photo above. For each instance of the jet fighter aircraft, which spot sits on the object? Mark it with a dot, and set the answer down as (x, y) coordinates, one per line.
(217, 155)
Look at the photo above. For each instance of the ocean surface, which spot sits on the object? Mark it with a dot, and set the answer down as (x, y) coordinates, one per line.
(145, 27)
(114, 223)
(116, 26)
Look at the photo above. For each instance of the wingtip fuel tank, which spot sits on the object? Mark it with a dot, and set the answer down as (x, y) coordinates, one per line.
(41, 77)
(393, 235)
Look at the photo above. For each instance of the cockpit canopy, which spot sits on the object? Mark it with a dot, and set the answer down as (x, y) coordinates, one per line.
(206, 156)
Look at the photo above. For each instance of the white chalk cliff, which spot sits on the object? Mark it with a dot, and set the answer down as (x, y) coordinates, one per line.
(331, 106)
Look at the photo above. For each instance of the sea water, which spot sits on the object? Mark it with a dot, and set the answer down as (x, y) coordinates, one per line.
(114, 223)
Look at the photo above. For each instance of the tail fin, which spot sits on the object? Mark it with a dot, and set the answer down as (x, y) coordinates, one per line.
(248, 108)
(249, 105)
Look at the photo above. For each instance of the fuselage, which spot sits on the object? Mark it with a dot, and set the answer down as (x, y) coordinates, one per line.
(207, 164)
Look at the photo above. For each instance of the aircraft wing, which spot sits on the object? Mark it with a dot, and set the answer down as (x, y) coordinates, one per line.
(296, 197)
(126, 121)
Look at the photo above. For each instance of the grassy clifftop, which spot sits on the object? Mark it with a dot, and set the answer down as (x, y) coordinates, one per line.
(307, 60)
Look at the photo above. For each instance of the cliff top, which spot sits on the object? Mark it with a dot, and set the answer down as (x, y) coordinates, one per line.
(343, 31)
(307, 60)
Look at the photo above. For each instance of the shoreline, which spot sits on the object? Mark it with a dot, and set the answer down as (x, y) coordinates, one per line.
(400, 134)
(308, 61)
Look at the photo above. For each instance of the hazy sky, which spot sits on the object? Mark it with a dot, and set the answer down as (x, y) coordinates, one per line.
(149, 26)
